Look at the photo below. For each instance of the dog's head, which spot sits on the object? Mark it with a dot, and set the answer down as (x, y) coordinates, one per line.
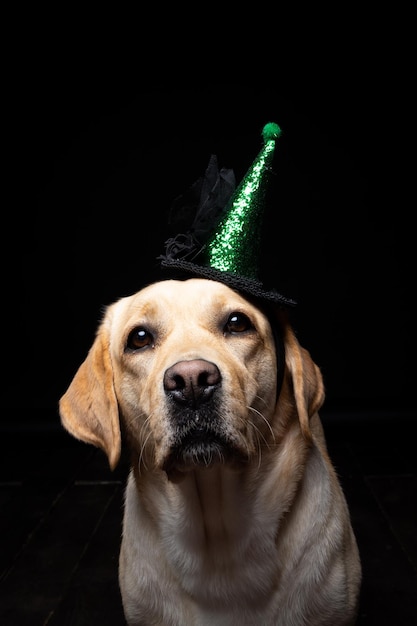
(187, 370)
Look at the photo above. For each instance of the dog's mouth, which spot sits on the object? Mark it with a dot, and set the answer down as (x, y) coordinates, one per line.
(202, 446)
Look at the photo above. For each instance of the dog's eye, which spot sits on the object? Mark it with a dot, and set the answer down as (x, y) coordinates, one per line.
(139, 338)
(237, 323)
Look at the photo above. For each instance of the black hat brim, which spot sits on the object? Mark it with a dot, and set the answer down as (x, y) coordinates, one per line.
(241, 284)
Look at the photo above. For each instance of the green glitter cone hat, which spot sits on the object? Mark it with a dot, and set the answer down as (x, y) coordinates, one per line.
(224, 239)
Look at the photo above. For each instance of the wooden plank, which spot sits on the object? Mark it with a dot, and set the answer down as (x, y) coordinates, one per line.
(42, 572)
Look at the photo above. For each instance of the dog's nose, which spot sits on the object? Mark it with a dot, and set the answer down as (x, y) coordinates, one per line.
(192, 382)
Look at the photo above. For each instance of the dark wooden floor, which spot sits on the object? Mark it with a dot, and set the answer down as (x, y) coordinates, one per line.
(61, 511)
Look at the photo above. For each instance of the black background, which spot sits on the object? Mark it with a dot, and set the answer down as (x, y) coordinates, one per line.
(97, 153)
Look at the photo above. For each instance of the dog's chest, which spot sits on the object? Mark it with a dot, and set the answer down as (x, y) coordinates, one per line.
(215, 540)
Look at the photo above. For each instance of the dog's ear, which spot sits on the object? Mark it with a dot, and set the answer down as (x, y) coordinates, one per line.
(89, 408)
(306, 378)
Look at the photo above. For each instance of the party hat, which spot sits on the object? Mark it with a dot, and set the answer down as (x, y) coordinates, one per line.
(224, 240)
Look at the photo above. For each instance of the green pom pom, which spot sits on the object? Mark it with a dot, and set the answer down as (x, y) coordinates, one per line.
(271, 131)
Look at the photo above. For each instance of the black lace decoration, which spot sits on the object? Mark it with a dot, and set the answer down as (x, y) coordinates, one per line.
(199, 211)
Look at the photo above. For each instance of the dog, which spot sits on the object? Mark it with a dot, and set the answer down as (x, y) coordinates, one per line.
(233, 514)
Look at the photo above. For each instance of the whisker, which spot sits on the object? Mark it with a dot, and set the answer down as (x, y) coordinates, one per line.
(144, 425)
(136, 418)
(144, 435)
(258, 434)
(144, 439)
(262, 400)
(251, 408)
(142, 452)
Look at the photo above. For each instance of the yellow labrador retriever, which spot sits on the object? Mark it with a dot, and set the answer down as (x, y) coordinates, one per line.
(233, 512)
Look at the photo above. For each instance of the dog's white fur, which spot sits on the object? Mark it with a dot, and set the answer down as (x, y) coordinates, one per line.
(252, 529)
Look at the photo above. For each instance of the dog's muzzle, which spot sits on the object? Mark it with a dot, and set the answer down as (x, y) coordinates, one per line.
(193, 391)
